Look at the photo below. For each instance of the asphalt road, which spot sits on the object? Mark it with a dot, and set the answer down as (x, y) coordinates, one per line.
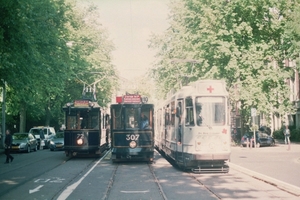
(51, 175)
(276, 164)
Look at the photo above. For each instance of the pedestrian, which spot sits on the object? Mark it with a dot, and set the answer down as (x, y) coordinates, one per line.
(8, 142)
(286, 133)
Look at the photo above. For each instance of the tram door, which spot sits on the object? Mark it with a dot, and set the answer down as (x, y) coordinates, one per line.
(179, 129)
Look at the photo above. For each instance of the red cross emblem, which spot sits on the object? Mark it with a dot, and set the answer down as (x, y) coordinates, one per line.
(210, 89)
(224, 131)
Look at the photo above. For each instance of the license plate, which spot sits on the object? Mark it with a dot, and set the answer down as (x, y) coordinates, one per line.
(59, 145)
(15, 147)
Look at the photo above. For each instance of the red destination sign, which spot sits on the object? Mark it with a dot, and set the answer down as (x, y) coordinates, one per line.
(132, 99)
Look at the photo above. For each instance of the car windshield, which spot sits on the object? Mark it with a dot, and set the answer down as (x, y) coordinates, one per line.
(20, 136)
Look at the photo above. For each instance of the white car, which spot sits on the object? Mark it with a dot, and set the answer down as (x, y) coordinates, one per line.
(43, 135)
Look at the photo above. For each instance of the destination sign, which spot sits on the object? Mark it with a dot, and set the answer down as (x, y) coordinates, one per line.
(132, 99)
(81, 103)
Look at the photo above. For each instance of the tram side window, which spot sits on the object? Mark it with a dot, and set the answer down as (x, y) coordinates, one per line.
(173, 112)
(117, 118)
(167, 115)
(189, 108)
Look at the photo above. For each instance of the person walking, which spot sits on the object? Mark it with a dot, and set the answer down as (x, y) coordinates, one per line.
(287, 135)
(8, 142)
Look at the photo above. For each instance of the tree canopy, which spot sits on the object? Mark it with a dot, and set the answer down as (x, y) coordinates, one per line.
(48, 48)
(243, 42)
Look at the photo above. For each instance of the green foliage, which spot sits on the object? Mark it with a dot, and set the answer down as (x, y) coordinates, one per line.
(278, 134)
(295, 135)
(40, 67)
(244, 42)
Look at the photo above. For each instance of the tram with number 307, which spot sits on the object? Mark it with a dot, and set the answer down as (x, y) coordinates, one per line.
(193, 127)
(132, 129)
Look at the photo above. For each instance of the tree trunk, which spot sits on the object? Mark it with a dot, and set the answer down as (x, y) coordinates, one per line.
(22, 117)
(48, 114)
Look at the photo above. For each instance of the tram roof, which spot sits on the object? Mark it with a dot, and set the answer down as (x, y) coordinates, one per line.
(81, 104)
(203, 88)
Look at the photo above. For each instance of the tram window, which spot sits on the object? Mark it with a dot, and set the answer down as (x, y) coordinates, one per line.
(189, 108)
(94, 120)
(199, 114)
(173, 112)
(116, 118)
(71, 122)
(131, 117)
(146, 118)
(167, 115)
(210, 110)
(219, 113)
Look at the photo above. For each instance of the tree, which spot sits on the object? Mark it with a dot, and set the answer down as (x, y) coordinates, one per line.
(239, 41)
(37, 61)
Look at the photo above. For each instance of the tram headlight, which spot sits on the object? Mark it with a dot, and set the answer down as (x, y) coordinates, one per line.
(80, 141)
(132, 144)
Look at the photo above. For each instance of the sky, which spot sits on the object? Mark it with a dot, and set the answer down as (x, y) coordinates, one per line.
(130, 24)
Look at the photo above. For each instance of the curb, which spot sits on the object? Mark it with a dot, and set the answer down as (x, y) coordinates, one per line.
(277, 183)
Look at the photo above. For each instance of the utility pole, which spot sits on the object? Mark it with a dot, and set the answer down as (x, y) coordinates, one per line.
(253, 114)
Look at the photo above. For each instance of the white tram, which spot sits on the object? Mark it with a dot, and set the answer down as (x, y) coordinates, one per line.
(193, 127)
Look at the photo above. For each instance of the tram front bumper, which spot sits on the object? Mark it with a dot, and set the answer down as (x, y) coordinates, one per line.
(129, 153)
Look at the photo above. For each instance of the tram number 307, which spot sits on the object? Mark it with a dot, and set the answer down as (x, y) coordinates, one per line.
(132, 137)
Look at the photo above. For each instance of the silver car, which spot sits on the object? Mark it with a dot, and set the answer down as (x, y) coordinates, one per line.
(24, 142)
(57, 142)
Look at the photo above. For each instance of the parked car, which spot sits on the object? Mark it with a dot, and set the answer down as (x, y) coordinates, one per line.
(24, 142)
(246, 139)
(262, 139)
(57, 142)
(43, 135)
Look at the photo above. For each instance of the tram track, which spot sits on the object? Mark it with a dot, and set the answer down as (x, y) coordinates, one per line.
(160, 180)
(117, 173)
(192, 175)
(110, 184)
(157, 182)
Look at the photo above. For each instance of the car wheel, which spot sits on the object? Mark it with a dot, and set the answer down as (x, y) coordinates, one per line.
(28, 149)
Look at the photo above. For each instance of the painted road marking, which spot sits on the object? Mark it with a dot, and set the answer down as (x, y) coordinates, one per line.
(64, 195)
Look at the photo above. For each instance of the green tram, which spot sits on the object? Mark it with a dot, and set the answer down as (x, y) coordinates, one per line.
(132, 129)
(85, 132)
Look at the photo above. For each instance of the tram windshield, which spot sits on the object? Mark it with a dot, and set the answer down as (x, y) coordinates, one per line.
(132, 117)
(210, 111)
(82, 119)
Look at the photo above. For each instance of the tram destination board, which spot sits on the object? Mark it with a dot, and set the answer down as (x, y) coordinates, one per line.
(132, 99)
